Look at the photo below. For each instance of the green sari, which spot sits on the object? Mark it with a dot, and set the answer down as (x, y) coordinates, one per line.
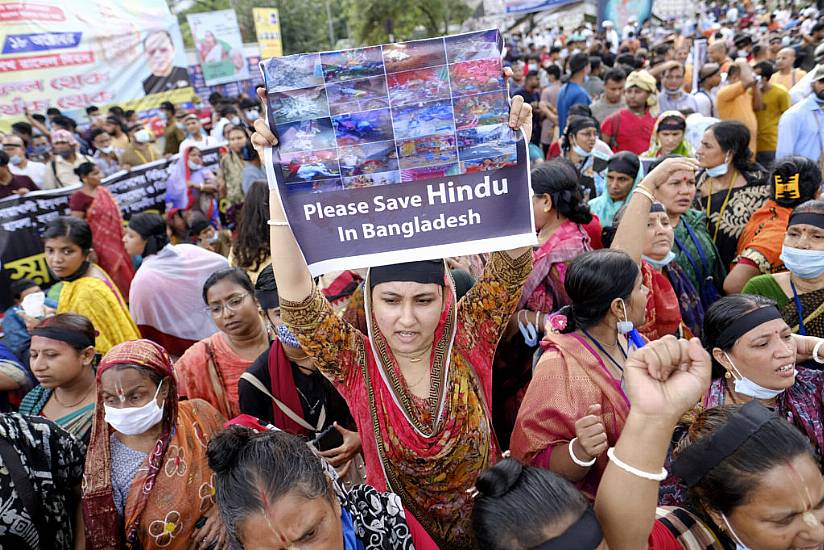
(812, 304)
(78, 423)
(702, 267)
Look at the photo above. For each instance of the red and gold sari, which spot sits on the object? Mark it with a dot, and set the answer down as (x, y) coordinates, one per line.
(172, 489)
(568, 378)
(106, 223)
(427, 451)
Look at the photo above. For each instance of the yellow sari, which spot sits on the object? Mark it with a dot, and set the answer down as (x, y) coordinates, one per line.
(101, 302)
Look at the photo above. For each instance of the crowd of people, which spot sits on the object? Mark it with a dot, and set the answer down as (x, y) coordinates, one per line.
(649, 375)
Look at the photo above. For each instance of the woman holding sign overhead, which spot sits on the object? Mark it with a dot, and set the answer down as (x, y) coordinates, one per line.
(420, 379)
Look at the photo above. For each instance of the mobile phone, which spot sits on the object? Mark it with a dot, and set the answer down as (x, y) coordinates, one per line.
(330, 438)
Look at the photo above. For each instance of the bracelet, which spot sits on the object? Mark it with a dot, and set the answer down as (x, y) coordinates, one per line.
(276, 223)
(640, 190)
(635, 471)
(817, 358)
(575, 459)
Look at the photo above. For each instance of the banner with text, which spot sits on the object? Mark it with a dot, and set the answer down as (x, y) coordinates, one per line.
(219, 46)
(399, 152)
(23, 219)
(74, 54)
(267, 28)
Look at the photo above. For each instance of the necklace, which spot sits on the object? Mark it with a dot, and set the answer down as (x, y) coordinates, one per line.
(723, 204)
(605, 352)
(312, 408)
(415, 385)
(69, 406)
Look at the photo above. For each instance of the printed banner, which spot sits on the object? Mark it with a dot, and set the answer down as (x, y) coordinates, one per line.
(398, 152)
(619, 11)
(219, 46)
(23, 219)
(74, 54)
(267, 28)
(526, 6)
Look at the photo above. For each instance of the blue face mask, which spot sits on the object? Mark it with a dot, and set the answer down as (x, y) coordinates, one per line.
(660, 264)
(580, 150)
(717, 171)
(807, 264)
(747, 387)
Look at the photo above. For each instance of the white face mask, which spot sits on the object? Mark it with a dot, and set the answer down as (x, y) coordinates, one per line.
(143, 136)
(135, 420)
(108, 149)
(747, 387)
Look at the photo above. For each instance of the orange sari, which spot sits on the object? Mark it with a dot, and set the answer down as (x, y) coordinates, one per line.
(106, 223)
(568, 378)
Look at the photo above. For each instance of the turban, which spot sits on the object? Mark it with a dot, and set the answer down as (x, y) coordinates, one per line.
(644, 81)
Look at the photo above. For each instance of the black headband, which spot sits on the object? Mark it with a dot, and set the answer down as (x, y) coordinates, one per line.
(584, 534)
(807, 218)
(672, 123)
(74, 338)
(624, 165)
(425, 272)
(698, 459)
(657, 207)
(747, 322)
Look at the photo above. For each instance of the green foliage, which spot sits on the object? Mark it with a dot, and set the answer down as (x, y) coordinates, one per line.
(371, 20)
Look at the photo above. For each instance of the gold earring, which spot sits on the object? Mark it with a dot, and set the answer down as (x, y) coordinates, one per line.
(546, 210)
(727, 375)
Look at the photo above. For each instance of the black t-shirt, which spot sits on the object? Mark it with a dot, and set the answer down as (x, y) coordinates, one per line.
(532, 97)
(178, 78)
(317, 392)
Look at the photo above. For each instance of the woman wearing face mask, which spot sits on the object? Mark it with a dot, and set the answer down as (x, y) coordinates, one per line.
(580, 147)
(732, 187)
(165, 299)
(210, 369)
(62, 360)
(193, 186)
(271, 486)
(140, 151)
(560, 216)
(585, 347)
(798, 292)
(794, 181)
(86, 289)
(284, 388)
(231, 165)
(420, 380)
(622, 174)
(754, 357)
(668, 136)
(95, 204)
(643, 231)
(755, 483)
(147, 482)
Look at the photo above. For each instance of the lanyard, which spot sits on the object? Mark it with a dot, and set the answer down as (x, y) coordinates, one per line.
(605, 352)
(799, 309)
(723, 204)
(151, 155)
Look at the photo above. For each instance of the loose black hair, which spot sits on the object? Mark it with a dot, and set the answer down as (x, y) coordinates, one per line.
(767, 68)
(152, 228)
(252, 246)
(554, 70)
(516, 503)
(593, 280)
(558, 179)
(233, 275)
(721, 315)
(809, 180)
(74, 229)
(733, 137)
(251, 467)
(85, 169)
(22, 128)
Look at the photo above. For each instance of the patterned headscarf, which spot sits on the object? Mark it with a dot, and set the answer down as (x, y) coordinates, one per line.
(63, 135)
(101, 517)
(645, 81)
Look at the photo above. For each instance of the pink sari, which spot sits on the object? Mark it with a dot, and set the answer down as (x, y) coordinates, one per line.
(106, 223)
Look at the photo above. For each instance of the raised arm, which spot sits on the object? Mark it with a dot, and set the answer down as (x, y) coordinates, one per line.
(631, 236)
(663, 380)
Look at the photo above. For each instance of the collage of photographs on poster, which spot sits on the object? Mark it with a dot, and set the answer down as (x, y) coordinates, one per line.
(390, 114)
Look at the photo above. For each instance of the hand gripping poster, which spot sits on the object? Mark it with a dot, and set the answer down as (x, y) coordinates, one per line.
(398, 152)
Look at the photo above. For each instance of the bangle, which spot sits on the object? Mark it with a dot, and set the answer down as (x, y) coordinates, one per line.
(575, 459)
(635, 471)
(277, 223)
(817, 358)
(641, 191)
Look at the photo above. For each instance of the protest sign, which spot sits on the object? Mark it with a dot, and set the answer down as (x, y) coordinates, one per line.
(398, 152)
(267, 28)
(219, 46)
(23, 219)
(526, 6)
(71, 55)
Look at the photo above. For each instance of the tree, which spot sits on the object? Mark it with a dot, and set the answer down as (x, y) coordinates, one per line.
(373, 21)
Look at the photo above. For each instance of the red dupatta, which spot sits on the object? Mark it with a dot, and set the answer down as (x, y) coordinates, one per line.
(102, 521)
(663, 312)
(106, 223)
(283, 387)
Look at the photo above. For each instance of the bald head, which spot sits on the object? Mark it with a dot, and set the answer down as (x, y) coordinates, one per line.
(717, 52)
(785, 59)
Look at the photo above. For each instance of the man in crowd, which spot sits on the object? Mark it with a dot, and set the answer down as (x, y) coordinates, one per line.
(549, 106)
(717, 53)
(173, 131)
(774, 101)
(104, 154)
(573, 92)
(19, 164)
(40, 149)
(672, 96)
(734, 100)
(786, 74)
(160, 53)
(195, 134)
(12, 184)
(593, 85)
(114, 127)
(709, 78)
(801, 130)
(531, 92)
(630, 128)
(612, 100)
(141, 150)
(67, 157)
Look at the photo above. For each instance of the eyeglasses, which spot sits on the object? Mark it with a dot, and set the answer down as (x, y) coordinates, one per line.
(232, 304)
(12, 146)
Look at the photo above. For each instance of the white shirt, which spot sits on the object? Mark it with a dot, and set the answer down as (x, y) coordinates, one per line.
(35, 170)
(203, 143)
(803, 87)
(706, 105)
